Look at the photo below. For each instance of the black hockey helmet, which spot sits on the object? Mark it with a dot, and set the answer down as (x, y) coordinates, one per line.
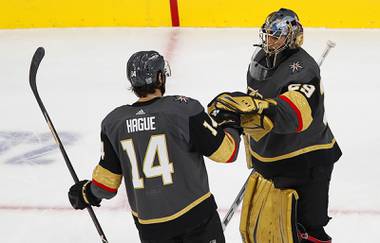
(283, 22)
(143, 68)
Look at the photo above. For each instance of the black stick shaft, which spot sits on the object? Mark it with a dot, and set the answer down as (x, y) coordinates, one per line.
(36, 60)
(235, 204)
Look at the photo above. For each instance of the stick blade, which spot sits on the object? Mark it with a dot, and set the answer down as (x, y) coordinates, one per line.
(331, 43)
(36, 60)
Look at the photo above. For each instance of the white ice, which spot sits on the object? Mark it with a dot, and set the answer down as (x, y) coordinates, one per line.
(82, 78)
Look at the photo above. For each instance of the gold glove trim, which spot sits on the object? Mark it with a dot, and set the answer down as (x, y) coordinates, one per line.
(106, 178)
(84, 192)
(240, 104)
(256, 125)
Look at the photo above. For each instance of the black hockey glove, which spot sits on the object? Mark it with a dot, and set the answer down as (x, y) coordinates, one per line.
(80, 195)
(225, 119)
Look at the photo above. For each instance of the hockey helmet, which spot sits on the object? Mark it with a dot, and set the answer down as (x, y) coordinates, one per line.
(282, 23)
(143, 68)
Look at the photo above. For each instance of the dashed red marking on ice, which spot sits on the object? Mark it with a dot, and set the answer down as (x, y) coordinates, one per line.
(367, 212)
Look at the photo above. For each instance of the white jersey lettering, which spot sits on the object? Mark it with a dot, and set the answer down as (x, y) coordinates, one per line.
(141, 124)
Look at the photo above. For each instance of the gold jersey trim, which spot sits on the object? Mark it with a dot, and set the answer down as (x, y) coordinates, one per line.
(106, 177)
(293, 154)
(304, 109)
(174, 216)
(225, 151)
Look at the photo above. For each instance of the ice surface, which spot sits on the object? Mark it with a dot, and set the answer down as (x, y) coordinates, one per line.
(82, 78)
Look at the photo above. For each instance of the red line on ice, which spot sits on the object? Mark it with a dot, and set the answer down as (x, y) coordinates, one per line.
(368, 212)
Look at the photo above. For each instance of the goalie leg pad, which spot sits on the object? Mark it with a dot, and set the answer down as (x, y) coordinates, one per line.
(268, 214)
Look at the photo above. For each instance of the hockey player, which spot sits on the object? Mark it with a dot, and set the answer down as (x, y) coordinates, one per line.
(157, 145)
(288, 141)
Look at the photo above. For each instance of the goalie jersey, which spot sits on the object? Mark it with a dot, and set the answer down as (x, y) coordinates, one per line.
(157, 147)
(300, 137)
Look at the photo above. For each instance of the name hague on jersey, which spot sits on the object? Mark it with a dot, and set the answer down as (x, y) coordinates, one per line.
(141, 124)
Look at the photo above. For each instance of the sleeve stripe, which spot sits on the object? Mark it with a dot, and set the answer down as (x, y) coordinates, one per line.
(235, 149)
(109, 189)
(226, 150)
(106, 179)
(296, 110)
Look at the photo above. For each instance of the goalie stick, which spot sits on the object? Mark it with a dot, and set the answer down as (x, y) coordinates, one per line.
(36, 60)
(330, 45)
(240, 195)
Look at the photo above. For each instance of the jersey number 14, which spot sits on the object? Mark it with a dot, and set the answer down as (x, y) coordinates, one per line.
(157, 145)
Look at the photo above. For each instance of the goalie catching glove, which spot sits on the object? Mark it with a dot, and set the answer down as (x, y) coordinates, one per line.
(239, 102)
(247, 108)
(80, 195)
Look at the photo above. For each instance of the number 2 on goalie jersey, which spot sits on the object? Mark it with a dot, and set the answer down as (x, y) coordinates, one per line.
(157, 145)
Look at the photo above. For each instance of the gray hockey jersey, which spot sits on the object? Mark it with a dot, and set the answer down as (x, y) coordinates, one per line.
(158, 147)
(300, 136)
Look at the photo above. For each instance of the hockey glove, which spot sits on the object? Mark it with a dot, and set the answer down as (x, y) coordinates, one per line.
(256, 125)
(240, 103)
(80, 195)
(226, 119)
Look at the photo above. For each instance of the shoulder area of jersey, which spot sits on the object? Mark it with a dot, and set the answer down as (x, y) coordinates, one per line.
(115, 112)
(182, 104)
(301, 62)
(180, 99)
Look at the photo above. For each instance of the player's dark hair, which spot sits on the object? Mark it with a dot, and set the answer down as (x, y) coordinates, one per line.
(144, 90)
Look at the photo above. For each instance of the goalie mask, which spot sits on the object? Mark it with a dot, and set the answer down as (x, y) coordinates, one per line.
(284, 30)
(260, 67)
(143, 68)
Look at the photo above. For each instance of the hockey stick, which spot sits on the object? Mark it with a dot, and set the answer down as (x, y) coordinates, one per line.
(36, 60)
(235, 204)
(330, 45)
(240, 195)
